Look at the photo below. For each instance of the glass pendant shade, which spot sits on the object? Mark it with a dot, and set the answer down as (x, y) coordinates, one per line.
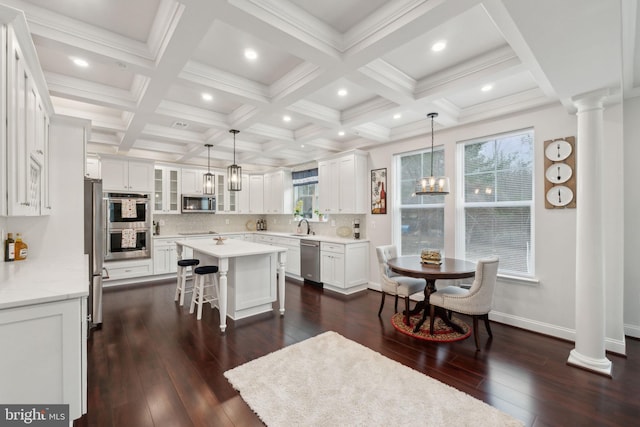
(234, 177)
(208, 180)
(209, 183)
(234, 172)
(432, 185)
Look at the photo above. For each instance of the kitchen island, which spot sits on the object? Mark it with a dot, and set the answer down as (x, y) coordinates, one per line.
(247, 271)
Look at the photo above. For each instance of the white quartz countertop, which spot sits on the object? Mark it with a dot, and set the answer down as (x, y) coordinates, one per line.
(231, 248)
(318, 237)
(35, 281)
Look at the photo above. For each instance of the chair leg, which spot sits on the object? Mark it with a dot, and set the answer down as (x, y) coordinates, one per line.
(407, 315)
(432, 317)
(475, 332)
(381, 303)
(178, 284)
(396, 306)
(487, 325)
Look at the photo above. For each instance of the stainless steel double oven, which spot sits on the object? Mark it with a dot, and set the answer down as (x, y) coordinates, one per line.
(127, 226)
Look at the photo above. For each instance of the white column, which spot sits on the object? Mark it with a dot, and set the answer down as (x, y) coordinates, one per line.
(589, 352)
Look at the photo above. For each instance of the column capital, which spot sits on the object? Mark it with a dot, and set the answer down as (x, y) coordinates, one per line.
(590, 100)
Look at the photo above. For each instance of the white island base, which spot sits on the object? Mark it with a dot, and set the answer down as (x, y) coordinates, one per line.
(248, 274)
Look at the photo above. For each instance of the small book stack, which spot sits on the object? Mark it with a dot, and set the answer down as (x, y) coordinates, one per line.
(431, 256)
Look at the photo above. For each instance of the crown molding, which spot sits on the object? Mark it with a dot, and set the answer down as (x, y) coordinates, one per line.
(499, 60)
(167, 17)
(373, 131)
(223, 81)
(295, 22)
(85, 91)
(389, 76)
(271, 132)
(192, 114)
(316, 112)
(371, 108)
(295, 79)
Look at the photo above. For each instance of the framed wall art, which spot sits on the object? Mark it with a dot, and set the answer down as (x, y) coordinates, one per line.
(379, 191)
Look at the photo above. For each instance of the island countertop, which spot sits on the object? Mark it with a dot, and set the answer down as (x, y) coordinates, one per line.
(40, 280)
(231, 248)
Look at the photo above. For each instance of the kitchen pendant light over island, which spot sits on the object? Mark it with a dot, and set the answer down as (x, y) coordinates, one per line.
(432, 185)
(208, 181)
(234, 172)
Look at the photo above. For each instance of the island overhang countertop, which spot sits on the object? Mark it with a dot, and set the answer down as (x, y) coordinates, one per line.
(230, 248)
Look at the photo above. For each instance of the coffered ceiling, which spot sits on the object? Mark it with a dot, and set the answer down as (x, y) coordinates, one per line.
(151, 61)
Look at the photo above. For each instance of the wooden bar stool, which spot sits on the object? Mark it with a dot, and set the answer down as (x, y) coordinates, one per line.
(205, 278)
(181, 287)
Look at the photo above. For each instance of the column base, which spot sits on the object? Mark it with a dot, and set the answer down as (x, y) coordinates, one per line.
(600, 366)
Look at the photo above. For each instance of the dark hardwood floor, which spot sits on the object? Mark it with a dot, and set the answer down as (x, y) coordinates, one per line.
(154, 364)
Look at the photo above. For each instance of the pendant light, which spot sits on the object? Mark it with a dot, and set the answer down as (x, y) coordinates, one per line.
(209, 180)
(432, 185)
(234, 172)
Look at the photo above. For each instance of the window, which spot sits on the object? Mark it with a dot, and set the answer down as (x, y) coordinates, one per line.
(497, 208)
(305, 192)
(421, 218)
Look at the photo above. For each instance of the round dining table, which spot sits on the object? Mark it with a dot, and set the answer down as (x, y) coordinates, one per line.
(450, 268)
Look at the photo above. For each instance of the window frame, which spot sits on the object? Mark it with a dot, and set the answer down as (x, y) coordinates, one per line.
(397, 205)
(462, 204)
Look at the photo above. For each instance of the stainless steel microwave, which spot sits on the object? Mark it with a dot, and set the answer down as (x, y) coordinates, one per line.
(198, 203)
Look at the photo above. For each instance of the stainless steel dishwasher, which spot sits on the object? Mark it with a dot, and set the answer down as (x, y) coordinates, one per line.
(310, 260)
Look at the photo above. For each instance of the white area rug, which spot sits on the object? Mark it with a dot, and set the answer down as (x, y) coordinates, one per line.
(329, 380)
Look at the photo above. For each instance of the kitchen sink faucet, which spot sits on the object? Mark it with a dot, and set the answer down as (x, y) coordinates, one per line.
(308, 226)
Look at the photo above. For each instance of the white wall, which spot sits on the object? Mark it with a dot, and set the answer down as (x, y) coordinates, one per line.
(631, 215)
(549, 305)
(62, 232)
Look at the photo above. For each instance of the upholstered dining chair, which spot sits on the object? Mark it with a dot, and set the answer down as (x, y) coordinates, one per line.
(475, 301)
(395, 284)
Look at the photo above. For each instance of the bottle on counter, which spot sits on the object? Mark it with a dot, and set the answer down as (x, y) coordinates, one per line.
(9, 248)
(21, 248)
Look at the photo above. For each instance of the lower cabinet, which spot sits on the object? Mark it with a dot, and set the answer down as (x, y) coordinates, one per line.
(165, 256)
(44, 354)
(129, 269)
(344, 267)
(292, 266)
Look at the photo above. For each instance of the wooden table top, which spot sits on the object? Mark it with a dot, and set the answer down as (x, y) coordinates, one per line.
(451, 268)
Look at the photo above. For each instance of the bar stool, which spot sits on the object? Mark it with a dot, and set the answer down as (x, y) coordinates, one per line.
(181, 287)
(205, 277)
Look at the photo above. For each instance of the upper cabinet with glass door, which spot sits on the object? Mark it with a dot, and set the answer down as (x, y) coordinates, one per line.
(226, 201)
(166, 190)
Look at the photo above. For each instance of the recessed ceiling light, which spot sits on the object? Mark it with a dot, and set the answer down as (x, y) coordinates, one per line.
(286, 118)
(80, 62)
(341, 133)
(397, 116)
(301, 145)
(439, 45)
(207, 97)
(342, 92)
(250, 54)
(487, 88)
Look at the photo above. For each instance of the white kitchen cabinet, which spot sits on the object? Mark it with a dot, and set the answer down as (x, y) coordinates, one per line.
(128, 269)
(127, 175)
(256, 191)
(165, 258)
(92, 168)
(166, 194)
(192, 181)
(43, 358)
(278, 192)
(27, 127)
(244, 200)
(343, 184)
(344, 267)
(292, 244)
(226, 201)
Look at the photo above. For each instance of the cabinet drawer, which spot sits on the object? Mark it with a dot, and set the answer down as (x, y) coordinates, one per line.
(332, 247)
(129, 270)
(285, 241)
(165, 242)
